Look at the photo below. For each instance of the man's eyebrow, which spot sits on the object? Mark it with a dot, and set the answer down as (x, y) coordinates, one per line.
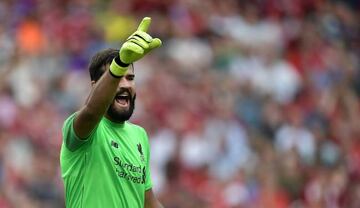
(132, 67)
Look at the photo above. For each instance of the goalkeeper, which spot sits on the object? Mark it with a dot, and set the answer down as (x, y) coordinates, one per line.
(104, 158)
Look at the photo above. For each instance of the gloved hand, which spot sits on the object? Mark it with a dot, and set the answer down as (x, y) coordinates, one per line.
(135, 47)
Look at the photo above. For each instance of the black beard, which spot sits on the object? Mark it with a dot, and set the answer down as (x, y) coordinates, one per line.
(122, 116)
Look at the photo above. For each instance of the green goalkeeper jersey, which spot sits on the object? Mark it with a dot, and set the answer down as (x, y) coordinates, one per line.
(110, 169)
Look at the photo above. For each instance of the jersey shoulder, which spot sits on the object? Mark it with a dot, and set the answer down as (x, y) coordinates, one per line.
(135, 126)
(138, 129)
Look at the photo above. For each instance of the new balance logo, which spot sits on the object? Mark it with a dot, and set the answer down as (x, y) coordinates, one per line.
(114, 144)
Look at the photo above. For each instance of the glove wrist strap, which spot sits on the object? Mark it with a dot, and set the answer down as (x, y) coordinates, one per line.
(118, 68)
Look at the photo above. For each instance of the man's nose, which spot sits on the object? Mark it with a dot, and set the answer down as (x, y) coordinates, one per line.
(125, 83)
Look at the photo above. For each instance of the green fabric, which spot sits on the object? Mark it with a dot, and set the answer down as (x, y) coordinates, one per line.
(109, 169)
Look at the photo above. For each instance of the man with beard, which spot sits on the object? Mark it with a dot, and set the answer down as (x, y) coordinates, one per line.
(104, 158)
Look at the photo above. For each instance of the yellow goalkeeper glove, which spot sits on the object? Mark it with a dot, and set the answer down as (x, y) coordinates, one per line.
(135, 47)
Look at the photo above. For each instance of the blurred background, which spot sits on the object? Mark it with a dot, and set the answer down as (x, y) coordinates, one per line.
(247, 104)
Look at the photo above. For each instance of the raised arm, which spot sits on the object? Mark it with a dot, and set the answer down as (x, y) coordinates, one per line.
(103, 92)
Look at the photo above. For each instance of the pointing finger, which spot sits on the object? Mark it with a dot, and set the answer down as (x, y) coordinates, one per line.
(144, 25)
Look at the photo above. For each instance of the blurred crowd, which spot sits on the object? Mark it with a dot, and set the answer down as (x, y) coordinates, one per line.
(248, 103)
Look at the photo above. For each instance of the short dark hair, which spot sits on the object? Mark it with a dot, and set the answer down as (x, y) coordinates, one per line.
(99, 61)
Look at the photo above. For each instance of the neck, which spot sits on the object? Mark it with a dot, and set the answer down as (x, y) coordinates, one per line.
(113, 120)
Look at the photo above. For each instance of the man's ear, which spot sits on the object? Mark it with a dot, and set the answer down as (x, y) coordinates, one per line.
(92, 83)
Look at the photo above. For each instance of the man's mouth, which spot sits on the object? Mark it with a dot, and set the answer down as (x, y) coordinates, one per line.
(123, 99)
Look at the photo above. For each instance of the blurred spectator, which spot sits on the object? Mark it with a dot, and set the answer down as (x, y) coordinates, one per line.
(294, 135)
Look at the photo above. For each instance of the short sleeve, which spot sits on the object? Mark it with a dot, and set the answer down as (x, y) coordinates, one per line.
(148, 182)
(70, 139)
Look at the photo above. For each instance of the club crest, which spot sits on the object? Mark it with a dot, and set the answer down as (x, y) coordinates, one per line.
(139, 147)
